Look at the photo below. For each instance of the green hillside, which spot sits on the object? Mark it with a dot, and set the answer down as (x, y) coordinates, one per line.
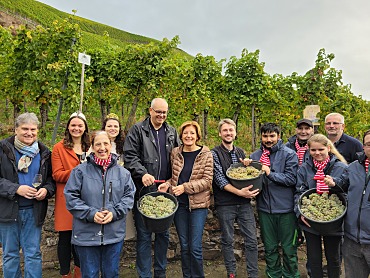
(92, 32)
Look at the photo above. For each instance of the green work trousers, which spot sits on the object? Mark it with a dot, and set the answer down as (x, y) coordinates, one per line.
(279, 228)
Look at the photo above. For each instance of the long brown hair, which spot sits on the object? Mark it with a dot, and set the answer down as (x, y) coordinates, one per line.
(85, 140)
(120, 138)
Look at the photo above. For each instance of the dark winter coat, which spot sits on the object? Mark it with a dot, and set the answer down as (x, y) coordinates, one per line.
(9, 183)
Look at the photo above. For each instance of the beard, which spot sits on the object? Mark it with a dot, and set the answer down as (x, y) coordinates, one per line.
(227, 142)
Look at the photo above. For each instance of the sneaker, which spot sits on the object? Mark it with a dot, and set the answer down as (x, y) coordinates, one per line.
(231, 275)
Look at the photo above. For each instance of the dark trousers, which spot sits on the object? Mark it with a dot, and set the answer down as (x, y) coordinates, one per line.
(65, 252)
(356, 259)
(314, 254)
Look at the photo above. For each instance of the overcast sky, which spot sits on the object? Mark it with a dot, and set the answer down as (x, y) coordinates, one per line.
(288, 33)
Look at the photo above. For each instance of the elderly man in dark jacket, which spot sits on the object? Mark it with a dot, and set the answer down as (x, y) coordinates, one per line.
(275, 203)
(147, 151)
(23, 207)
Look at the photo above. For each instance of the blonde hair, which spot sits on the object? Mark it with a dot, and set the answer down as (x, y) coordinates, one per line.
(194, 124)
(226, 121)
(322, 139)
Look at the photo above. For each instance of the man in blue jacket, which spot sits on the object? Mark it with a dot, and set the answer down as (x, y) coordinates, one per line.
(275, 203)
(147, 150)
(23, 207)
(356, 182)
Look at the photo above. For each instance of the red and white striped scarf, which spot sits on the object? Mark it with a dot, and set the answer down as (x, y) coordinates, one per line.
(103, 162)
(300, 151)
(265, 157)
(321, 187)
(367, 162)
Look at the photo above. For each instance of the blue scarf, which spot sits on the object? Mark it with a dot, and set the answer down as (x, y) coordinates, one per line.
(28, 152)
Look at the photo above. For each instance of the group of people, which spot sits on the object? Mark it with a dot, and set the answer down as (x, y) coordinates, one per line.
(94, 195)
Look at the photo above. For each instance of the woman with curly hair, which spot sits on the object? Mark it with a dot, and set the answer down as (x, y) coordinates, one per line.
(112, 126)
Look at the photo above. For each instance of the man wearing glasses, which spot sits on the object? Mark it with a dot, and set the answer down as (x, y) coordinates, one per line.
(345, 144)
(355, 181)
(147, 151)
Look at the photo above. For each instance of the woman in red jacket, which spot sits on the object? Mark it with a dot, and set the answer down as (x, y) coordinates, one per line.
(67, 154)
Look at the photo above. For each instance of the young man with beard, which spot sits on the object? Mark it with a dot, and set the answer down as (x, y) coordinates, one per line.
(233, 204)
(298, 142)
(275, 203)
(147, 150)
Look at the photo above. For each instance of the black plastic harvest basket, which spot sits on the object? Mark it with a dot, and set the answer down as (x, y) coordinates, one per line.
(241, 183)
(160, 224)
(324, 227)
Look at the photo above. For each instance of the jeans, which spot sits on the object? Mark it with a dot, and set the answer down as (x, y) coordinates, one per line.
(244, 215)
(103, 258)
(26, 235)
(189, 226)
(65, 251)
(144, 249)
(314, 254)
(279, 229)
(356, 258)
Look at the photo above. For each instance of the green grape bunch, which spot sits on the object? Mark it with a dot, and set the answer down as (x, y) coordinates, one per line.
(243, 173)
(156, 207)
(322, 207)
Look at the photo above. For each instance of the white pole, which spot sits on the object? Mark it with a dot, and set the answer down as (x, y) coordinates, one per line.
(82, 86)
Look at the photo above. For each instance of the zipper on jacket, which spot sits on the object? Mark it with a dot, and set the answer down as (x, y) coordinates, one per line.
(160, 157)
(103, 207)
(196, 158)
(360, 207)
(110, 191)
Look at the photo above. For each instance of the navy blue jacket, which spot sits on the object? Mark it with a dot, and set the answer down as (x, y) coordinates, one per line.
(277, 195)
(291, 145)
(305, 181)
(357, 220)
(349, 147)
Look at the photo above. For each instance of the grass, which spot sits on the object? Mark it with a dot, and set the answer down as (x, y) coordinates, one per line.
(92, 32)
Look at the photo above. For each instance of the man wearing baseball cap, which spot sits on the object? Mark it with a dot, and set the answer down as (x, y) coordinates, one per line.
(298, 142)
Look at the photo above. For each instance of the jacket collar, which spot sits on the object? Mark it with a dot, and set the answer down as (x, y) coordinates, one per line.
(146, 125)
(91, 160)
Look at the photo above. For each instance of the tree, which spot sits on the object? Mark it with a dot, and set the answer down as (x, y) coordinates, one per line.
(246, 84)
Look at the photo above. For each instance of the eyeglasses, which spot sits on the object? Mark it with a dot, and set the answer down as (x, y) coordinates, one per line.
(160, 112)
(333, 123)
(367, 145)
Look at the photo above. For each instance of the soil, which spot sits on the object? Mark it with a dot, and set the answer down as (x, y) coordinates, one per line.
(214, 269)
